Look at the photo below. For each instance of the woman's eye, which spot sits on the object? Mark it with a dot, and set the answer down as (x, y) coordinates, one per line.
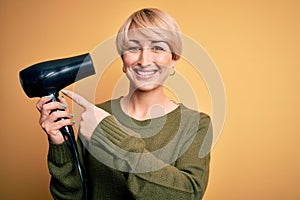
(157, 49)
(134, 49)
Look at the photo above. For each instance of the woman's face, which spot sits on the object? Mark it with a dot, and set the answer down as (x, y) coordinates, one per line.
(147, 62)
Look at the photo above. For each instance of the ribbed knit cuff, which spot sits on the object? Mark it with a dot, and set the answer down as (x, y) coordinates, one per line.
(112, 129)
(59, 153)
(109, 128)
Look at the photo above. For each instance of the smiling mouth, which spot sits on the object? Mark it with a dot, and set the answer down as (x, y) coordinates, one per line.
(145, 74)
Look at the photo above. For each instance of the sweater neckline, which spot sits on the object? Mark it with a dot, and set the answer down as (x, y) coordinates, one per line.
(124, 118)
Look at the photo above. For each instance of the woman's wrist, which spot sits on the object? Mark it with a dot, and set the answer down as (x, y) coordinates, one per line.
(57, 139)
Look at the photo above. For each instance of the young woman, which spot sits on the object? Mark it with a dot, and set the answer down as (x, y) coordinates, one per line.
(142, 145)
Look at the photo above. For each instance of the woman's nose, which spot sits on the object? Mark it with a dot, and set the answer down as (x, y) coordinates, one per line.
(145, 57)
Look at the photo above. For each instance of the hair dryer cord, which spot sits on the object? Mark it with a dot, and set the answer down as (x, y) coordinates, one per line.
(69, 138)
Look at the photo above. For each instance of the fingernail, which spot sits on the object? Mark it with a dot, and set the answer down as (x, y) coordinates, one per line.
(71, 115)
(73, 122)
(49, 96)
(63, 105)
(64, 91)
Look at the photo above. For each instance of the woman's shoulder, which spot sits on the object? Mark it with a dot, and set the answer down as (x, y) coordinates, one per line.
(108, 104)
(202, 116)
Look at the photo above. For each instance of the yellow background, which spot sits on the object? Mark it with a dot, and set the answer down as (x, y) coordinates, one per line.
(255, 45)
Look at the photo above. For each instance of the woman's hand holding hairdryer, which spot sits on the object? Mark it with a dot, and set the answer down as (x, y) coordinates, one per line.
(90, 118)
(49, 119)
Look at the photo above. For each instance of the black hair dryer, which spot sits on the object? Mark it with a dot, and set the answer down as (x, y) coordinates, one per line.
(48, 78)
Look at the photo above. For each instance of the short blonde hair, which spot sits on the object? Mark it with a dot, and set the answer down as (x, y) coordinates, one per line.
(154, 22)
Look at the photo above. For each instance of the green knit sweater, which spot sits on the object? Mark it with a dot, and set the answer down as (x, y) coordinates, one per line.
(131, 159)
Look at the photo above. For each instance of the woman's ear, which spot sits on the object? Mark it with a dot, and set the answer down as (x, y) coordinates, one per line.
(124, 69)
(173, 63)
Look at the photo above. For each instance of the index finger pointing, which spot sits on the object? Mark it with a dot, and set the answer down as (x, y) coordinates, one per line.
(77, 99)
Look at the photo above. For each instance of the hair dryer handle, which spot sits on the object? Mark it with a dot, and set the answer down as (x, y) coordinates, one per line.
(67, 132)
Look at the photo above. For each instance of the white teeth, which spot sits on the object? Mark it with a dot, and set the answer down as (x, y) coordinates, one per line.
(145, 73)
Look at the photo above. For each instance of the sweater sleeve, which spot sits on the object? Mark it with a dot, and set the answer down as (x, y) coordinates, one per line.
(65, 179)
(187, 178)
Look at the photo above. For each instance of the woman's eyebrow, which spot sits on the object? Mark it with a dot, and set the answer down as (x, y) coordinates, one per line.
(158, 41)
(135, 41)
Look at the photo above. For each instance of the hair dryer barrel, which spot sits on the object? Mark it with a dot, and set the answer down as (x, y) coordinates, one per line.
(50, 77)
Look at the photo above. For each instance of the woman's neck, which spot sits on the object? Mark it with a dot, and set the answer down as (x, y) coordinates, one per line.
(143, 105)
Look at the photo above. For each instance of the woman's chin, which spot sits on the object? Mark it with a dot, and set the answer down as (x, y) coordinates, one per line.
(147, 87)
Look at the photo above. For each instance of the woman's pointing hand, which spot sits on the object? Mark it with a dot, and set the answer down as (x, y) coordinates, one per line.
(91, 116)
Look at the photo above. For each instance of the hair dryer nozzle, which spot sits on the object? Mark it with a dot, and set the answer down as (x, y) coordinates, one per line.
(50, 77)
